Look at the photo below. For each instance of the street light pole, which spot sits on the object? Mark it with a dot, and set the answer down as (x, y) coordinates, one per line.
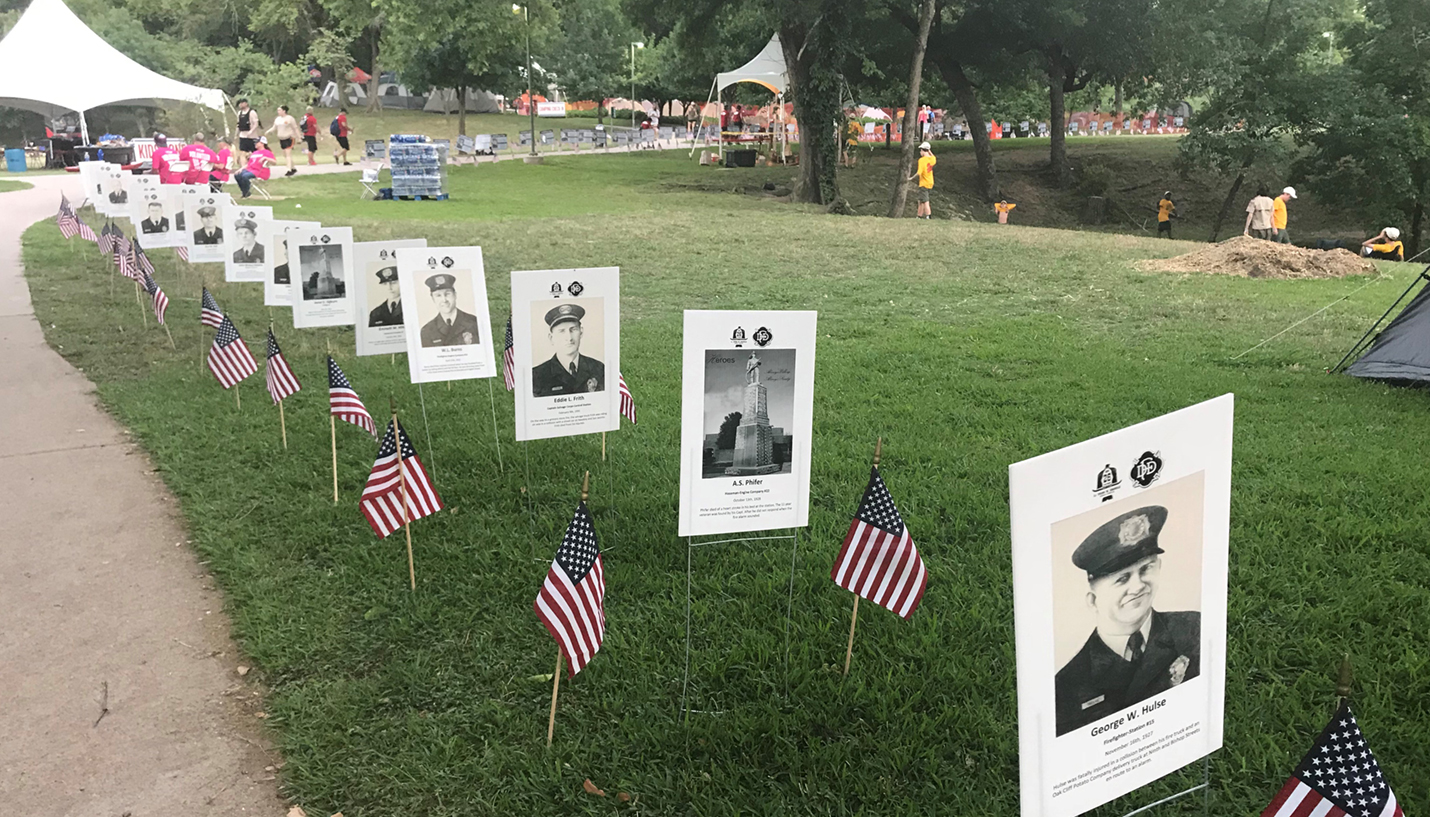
(634, 46)
(530, 100)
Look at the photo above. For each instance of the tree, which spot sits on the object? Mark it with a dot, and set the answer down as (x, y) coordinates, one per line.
(460, 43)
(911, 108)
(725, 440)
(589, 55)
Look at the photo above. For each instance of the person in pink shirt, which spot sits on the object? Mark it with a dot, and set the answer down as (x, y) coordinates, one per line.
(259, 163)
(161, 159)
(221, 167)
(201, 159)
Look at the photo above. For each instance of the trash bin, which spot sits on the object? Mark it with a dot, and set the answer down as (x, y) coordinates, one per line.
(15, 160)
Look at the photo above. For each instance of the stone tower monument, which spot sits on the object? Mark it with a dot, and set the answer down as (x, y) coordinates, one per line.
(754, 439)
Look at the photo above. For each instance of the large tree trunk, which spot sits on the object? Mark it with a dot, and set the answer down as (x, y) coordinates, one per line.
(1058, 130)
(1117, 102)
(813, 55)
(967, 98)
(374, 99)
(912, 136)
(462, 110)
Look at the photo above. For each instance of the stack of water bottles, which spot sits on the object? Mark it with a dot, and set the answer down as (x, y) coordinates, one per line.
(419, 166)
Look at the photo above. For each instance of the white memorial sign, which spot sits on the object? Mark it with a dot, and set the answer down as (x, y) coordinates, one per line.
(203, 213)
(322, 259)
(277, 280)
(380, 329)
(245, 258)
(449, 331)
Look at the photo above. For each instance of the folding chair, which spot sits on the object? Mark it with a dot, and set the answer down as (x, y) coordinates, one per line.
(369, 181)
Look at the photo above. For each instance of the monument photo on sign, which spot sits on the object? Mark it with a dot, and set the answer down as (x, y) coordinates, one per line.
(749, 404)
(321, 268)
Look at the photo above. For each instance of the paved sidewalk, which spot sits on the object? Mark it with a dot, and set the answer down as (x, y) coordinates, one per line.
(98, 588)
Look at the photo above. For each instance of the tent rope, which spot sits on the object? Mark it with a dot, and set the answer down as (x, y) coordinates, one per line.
(1376, 279)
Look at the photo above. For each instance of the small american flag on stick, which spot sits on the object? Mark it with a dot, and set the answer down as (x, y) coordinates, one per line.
(280, 377)
(87, 233)
(183, 252)
(209, 313)
(879, 561)
(1339, 777)
(391, 476)
(107, 235)
(161, 301)
(508, 358)
(144, 262)
(129, 261)
(66, 219)
(628, 403)
(344, 403)
(229, 359)
(572, 601)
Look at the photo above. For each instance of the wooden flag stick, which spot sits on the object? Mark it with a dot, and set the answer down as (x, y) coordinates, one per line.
(238, 401)
(603, 446)
(172, 345)
(854, 617)
(402, 479)
(282, 425)
(555, 685)
(1343, 683)
(140, 301)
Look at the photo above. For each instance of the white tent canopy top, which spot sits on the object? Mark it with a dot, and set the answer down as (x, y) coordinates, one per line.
(767, 69)
(92, 73)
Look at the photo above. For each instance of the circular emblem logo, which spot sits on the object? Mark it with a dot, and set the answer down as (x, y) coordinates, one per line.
(763, 336)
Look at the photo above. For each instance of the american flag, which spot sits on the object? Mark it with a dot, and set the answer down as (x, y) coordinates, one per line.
(209, 313)
(628, 403)
(382, 496)
(66, 219)
(508, 358)
(161, 301)
(87, 233)
(1337, 778)
(572, 601)
(344, 403)
(229, 359)
(107, 235)
(183, 252)
(129, 261)
(879, 560)
(281, 380)
(144, 262)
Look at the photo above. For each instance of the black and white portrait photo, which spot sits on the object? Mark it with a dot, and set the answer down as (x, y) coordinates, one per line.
(249, 251)
(1127, 599)
(388, 311)
(451, 306)
(749, 412)
(320, 268)
(207, 232)
(154, 219)
(568, 338)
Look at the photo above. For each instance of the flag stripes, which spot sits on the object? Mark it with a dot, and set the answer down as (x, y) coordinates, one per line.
(229, 359)
(209, 313)
(1339, 777)
(344, 403)
(628, 402)
(279, 376)
(879, 561)
(508, 358)
(382, 495)
(572, 601)
(161, 301)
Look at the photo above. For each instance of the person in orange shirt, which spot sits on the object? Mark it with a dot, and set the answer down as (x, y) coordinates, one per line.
(1003, 208)
(1279, 233)
(1166, 209)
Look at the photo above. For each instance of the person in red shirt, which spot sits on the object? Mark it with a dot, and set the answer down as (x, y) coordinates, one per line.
(162, 157)
(259, 163)
(222, 167)
(341, 133)
(310, 135)
(201, 160)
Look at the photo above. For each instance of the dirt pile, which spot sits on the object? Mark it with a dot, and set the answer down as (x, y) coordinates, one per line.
(1255, 258)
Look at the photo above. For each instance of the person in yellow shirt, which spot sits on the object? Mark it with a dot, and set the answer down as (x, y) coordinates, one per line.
(852, 132)
(1385, 246)
(1166, 208)
(1003, 208)
(1279, 233)
(925, 177)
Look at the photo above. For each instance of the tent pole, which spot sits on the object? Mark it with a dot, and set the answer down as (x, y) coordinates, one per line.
(1423, 276)
(708, 97)
(84, 127)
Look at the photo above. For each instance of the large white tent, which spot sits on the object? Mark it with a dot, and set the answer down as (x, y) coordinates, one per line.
(767, 69)
(52, 63)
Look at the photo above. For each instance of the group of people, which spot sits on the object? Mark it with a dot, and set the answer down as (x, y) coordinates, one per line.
(289, 130)
(1267, 218)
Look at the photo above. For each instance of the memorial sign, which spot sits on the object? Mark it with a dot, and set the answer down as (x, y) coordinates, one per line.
(380, 312)
(322, 289)
(444, 296)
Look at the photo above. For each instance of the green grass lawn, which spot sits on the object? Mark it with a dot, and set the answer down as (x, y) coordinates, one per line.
(966, 346)
(8, 185)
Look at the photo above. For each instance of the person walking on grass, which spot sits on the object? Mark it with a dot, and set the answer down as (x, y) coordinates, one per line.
(340, 131)
(285, 127)
(249, 129)
(310, 136)
(925, 177)
(1259, 216)
(1166, 208)
(1279, 233)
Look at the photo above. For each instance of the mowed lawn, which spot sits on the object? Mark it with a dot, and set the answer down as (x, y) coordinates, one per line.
(966, 346)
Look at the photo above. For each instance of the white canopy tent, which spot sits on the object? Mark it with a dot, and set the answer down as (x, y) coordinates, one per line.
(767, 69)
(90, 71)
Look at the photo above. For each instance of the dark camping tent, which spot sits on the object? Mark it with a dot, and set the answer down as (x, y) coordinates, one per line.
(1402, 350)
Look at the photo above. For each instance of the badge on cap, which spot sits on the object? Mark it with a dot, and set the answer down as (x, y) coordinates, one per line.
(441, 281)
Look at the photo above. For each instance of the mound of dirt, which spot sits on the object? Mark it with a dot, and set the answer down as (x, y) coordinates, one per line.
(1255, 258)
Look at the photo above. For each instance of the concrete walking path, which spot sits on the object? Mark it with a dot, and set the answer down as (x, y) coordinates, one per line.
(98, 590)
